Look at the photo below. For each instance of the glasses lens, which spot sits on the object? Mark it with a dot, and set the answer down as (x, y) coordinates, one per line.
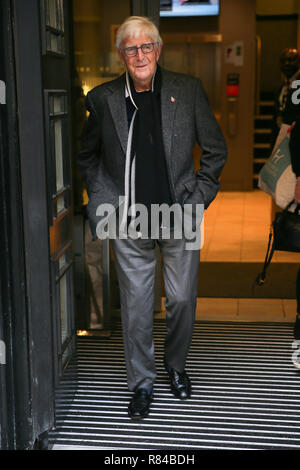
(146, 48)
(130, 51)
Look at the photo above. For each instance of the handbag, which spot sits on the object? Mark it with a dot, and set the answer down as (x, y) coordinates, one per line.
(277, 177)
(284, 236)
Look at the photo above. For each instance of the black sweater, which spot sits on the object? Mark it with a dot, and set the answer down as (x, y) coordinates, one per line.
(151, 185)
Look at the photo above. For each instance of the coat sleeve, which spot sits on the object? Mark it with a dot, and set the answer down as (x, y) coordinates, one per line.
(212, 143)
(295, 148)
(291, 115)
(88, 158)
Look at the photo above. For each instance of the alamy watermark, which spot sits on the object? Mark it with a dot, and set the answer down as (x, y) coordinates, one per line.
(186, 222)
(2, 353)
(296, 94)
(296, 354)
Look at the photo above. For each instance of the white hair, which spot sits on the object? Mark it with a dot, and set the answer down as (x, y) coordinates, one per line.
(134, 26)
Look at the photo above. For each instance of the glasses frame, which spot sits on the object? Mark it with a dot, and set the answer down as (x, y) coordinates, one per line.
(136, 48)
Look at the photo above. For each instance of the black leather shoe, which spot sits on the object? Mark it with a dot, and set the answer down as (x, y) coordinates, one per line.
(180, 383)
(140, 404)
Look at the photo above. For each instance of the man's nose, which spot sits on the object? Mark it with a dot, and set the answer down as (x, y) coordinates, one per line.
(140, 54)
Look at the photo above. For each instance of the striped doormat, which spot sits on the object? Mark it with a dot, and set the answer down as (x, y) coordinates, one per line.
(246, 394)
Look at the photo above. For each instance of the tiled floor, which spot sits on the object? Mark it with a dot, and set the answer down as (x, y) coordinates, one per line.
(243, 310)
(236, 230)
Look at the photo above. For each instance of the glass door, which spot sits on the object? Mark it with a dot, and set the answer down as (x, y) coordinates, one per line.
(96, 61)
(55, 15)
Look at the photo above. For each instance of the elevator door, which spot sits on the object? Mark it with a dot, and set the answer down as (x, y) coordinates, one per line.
(201, 58)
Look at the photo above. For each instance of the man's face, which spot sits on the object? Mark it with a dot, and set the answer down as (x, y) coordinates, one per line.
(142, 66)
(289, 62)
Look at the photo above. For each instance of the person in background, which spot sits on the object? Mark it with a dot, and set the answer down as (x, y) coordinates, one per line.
(291, 116)
(290, 68)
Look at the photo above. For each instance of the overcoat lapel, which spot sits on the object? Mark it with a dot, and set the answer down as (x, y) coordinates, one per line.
(169, 100)
(117, 106)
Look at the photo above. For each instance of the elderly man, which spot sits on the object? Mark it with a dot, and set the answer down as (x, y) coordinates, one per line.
(138, 144)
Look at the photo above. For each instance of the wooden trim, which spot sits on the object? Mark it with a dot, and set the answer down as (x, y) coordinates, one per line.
(200, 38)
(257, 74)
(87, 19)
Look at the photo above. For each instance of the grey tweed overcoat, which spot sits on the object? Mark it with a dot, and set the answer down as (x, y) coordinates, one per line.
(186, 119)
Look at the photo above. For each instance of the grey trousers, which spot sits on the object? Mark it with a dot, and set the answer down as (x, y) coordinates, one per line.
(135, 265)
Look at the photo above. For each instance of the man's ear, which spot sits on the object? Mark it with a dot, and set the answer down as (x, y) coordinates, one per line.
(158, 52)
(121, 57)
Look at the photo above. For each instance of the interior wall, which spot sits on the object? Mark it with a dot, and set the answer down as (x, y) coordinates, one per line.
(237, 23)
(277, 27)
(277, 7)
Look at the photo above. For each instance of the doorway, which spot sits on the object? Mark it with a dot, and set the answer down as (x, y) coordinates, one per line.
(96, 61)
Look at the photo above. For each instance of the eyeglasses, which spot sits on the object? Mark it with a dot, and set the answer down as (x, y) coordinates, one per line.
(133, 50)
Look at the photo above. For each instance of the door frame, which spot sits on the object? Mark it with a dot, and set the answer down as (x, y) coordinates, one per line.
(26, 312)
(19, 374)
(27, 385)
